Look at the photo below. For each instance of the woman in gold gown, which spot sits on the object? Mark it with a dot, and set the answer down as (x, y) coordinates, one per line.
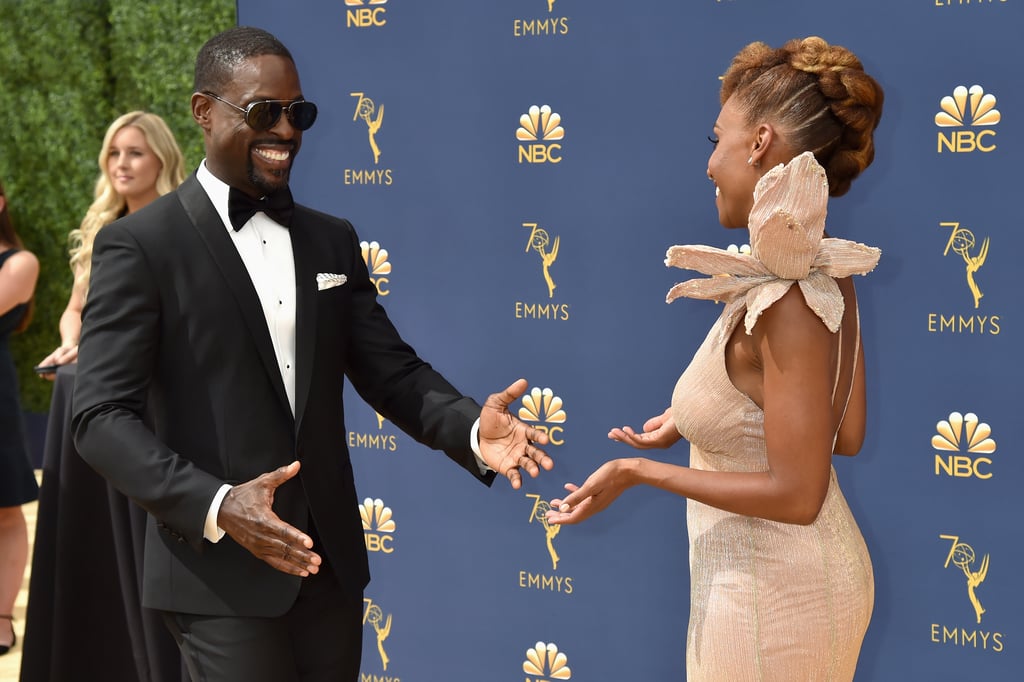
(781, 580)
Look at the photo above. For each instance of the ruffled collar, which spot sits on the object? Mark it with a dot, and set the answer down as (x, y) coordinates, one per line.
(787, 224)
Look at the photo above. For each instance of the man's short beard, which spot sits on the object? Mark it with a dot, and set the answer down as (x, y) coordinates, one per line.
(259, 180)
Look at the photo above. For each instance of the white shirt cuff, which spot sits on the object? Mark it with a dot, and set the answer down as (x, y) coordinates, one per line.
(211, 531)
(474, 442)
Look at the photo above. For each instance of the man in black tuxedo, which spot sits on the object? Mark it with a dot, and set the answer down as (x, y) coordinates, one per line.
(221, 322)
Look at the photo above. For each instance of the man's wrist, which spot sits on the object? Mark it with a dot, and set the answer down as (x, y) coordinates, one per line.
(474, 443)
(211, 531)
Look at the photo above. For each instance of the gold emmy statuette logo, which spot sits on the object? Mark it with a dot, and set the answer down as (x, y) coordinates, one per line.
(961, 554)
(374, 615)
(544, 406)
(538, 126)
(540, 513)
(956, 433)
(546, 660)
(365, 110)
(549, 25)
(967, 107)
(378, 525)
(539, 242)
(374, 440)
(377, 263)
(974, 253)
(961, 241)
(365, 13)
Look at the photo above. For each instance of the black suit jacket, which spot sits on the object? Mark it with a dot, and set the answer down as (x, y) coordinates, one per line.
(178, 391)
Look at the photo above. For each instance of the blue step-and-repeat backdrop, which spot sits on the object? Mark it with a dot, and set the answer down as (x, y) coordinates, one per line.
(517, 169)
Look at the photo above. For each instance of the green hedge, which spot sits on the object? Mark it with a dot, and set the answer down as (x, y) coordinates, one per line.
(67, 69)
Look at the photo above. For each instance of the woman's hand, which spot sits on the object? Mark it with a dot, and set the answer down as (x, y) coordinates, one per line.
(659, 432)
(63, 355)
(599, 490)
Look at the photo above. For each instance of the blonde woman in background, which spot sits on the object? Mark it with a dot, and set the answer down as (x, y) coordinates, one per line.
(139, 161)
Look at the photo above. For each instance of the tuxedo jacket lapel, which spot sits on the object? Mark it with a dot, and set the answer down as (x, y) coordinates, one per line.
(304, 252)
(211, 230)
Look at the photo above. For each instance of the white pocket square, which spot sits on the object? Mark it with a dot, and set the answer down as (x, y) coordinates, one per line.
(327, 280)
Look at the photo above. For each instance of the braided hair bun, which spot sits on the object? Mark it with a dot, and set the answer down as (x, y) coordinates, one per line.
(818, 96)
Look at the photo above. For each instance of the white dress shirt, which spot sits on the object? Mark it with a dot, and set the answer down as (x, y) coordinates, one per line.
(265, 248)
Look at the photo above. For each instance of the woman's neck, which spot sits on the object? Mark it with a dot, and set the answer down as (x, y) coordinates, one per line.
(133, 204)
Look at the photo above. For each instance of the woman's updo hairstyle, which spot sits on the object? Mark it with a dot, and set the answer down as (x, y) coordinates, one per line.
(819, 97)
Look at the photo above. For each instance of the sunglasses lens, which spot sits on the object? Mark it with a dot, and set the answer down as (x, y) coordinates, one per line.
(302, 115)
(263, 115)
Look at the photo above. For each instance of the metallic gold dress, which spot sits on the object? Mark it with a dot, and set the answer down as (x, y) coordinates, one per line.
(769, 601)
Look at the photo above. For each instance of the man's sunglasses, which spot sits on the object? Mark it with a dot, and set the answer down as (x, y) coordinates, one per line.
(265, 113)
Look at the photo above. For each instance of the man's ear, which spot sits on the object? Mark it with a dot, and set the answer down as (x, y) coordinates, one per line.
(201, 105)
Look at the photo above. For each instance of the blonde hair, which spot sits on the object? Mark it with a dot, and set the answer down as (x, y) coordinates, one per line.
(820, 96)
(108, 204)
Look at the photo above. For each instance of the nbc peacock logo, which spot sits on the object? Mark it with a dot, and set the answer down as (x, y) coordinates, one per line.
(376, 259)
(545, 662)
(365, 13)
(542, 405)
(964, 444)
(540, 131)
(378, 525)
(959, 113)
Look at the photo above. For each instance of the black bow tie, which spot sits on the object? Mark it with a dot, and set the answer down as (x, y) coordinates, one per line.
(277, 205)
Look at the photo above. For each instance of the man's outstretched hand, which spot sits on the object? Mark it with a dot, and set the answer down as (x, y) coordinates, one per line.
(507, 445)
(246, 515)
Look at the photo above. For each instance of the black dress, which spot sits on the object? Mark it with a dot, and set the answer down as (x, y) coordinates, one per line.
(17, 482)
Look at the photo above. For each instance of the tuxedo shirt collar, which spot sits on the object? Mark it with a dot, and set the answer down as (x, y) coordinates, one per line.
(217, 190)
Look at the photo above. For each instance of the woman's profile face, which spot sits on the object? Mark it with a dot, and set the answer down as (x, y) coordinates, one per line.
(734, 178)
(132, 165)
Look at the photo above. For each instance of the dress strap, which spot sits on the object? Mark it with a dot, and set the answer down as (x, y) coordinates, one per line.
(3, 258)
(854, 359)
